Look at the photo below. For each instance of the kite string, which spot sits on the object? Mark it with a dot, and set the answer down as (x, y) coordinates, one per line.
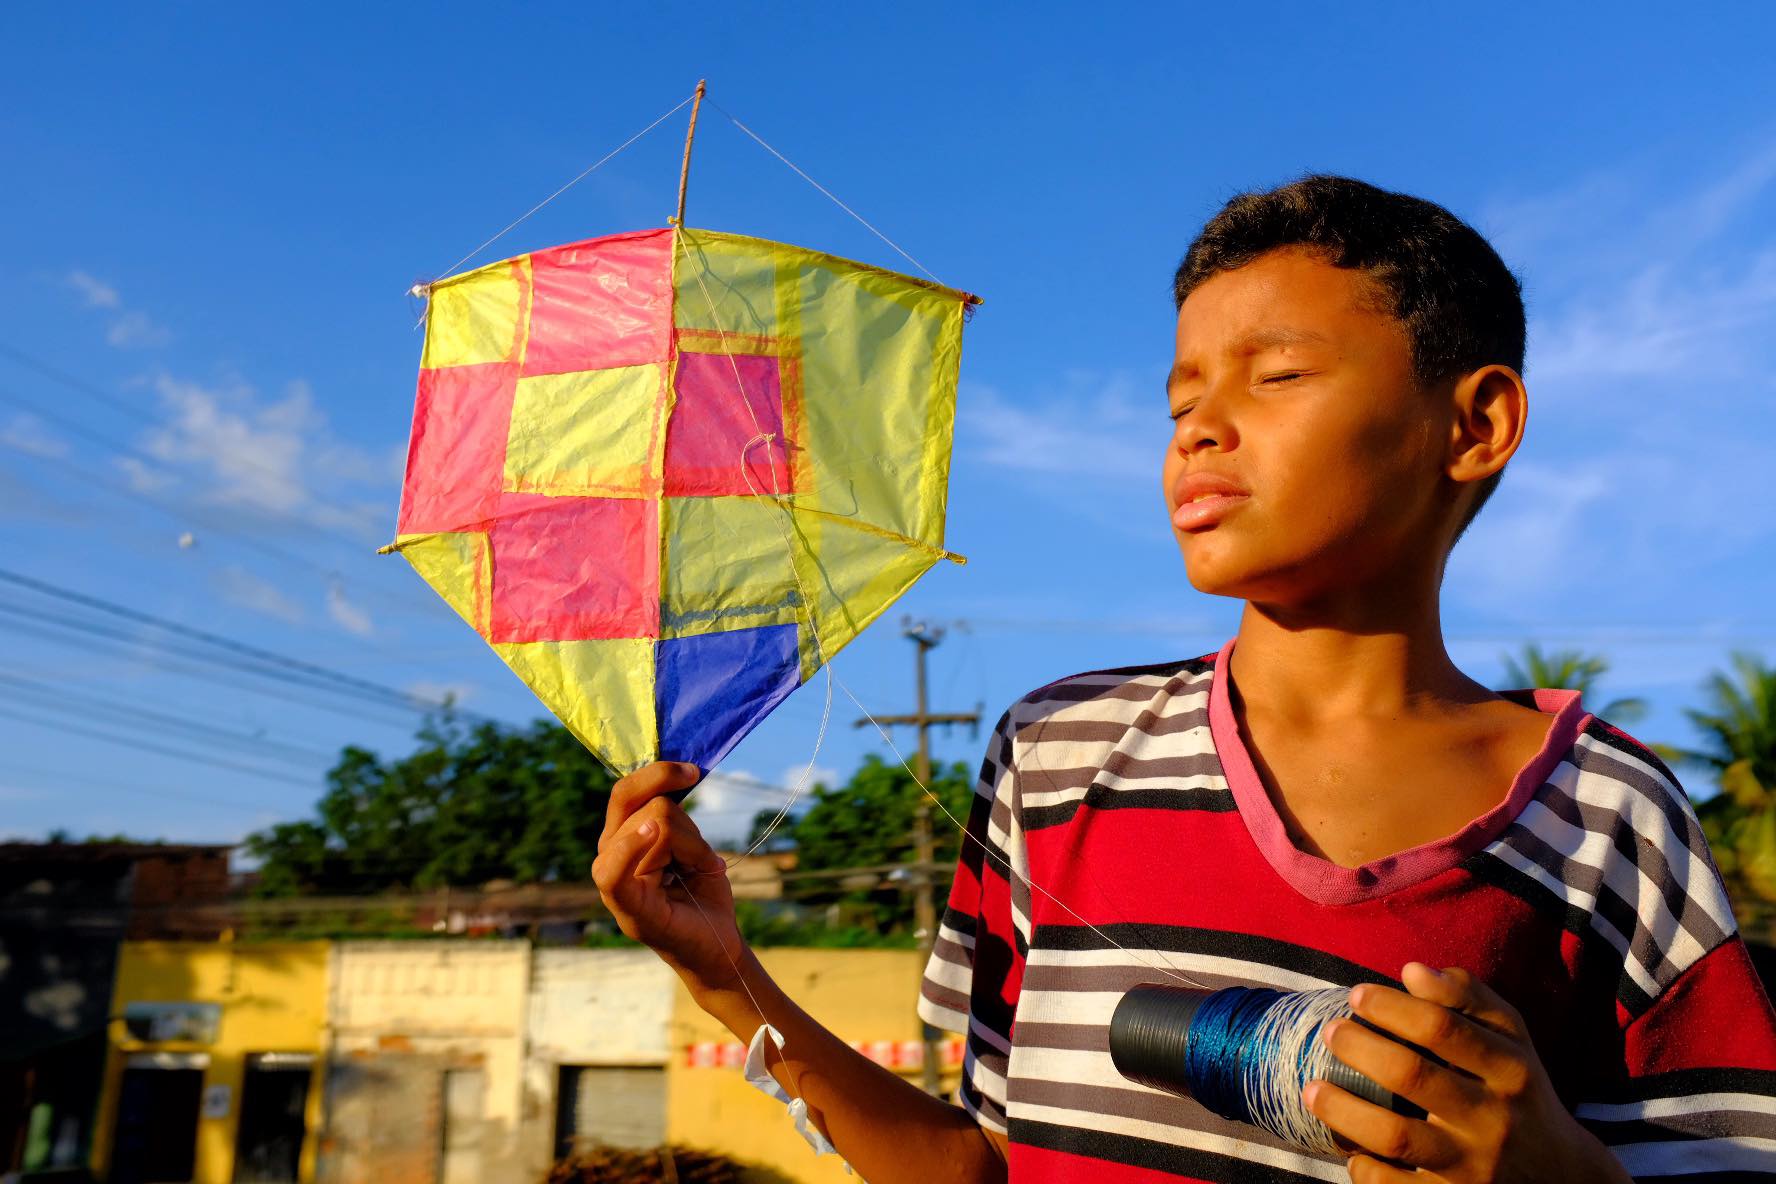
(1004, 861)
(588, 171)
(767, 438)
(759, 140)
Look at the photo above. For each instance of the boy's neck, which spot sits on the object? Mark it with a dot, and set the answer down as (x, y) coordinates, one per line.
(1369, 658)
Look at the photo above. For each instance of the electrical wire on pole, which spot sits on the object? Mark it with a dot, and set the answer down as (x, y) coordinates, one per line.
(925, 638)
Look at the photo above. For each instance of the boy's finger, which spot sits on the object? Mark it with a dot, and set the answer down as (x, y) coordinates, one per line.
(1455, 988)
(1433, 1087)
(642, 786)
(1366, 1169)
(675, 841)
(614, 871)
(1441, 1029)
(1380, 1132)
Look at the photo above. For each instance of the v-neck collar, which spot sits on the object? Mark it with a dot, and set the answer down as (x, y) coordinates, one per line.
(1326, 882)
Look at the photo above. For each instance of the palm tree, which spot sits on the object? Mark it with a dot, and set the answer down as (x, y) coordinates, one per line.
(1739, 746)
(1570, 670)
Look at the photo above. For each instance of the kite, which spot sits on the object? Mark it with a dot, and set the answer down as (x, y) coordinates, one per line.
(668, 474)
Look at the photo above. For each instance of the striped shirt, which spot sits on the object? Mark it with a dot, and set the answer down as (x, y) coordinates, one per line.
(1123, 833)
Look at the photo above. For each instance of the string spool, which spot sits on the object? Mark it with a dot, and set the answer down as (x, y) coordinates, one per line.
(1243, 1053)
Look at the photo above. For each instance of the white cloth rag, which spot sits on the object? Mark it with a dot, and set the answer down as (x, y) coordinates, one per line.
(760, 1079)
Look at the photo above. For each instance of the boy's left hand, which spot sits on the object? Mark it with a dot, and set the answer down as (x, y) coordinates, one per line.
(1492, 1112)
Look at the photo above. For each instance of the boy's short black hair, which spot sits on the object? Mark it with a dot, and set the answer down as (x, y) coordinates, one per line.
(1462, 307)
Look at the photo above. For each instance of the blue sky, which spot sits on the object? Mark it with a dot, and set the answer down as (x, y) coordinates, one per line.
(211, 214)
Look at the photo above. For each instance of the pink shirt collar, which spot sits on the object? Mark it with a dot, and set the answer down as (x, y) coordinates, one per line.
(1326, 882)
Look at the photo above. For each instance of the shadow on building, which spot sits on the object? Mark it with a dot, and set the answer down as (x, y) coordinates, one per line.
(64, 909)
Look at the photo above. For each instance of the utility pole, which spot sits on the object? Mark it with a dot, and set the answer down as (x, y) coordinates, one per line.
(925, 638)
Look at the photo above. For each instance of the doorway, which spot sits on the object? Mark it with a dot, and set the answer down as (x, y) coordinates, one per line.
(157, 1108)
(273, 1118)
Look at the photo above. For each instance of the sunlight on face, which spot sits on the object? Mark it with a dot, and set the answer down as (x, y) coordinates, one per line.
(1305, 454)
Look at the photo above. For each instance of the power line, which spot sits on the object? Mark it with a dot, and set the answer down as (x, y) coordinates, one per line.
(209, 670)
(165, 645)
(185, 514)
(97, 393)
(35, 692)
(346, 682)
(8, 768)
(1583, 634)
(147, 746)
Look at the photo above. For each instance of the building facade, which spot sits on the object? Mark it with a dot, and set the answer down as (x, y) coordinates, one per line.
(865, 997)
(211, 1067)
(64, 909)
(599, 1051)
(452, 1061)
(425, 1068)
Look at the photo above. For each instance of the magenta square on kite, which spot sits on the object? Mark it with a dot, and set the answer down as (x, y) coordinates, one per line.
(725, 404)
(575, 568)
(456, 457)
(600, 304)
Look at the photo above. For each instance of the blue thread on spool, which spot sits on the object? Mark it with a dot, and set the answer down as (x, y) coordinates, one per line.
(1220, 1047)
(1224, 1048)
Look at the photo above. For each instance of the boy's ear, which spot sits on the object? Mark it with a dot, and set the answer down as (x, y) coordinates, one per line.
(1491, 409)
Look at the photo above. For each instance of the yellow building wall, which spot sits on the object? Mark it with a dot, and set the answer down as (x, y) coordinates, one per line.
(273, 998)
(859, 995)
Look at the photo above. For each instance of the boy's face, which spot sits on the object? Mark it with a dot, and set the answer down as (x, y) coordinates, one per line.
(1306, 458)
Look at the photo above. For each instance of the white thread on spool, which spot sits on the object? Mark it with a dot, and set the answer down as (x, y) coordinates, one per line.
(1292, 1026)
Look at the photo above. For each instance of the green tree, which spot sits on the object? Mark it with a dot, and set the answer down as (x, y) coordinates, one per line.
(868, 823)
(1569, 670)
(1738, 727)
(469, 805)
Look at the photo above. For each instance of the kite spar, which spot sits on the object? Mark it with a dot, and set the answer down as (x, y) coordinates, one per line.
(668, 474)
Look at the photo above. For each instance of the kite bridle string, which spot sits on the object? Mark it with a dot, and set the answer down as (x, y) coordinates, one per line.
(587, 172)
(778, 499)
(783, 525)
(759, 140)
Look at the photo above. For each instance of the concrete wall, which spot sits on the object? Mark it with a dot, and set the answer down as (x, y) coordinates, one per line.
(403, 1015)
(863, 996)
(272, 998)
(589, 1007)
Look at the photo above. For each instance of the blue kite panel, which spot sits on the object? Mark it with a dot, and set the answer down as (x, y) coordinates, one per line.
(710, 689)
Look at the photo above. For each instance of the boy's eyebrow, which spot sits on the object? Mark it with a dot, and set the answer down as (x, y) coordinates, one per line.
(1250, 343)
(1259, 339)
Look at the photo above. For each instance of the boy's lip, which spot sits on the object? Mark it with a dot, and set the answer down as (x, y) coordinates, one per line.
(1204, 499)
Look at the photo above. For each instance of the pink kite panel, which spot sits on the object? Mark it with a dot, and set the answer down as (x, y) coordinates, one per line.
(575, 569)
(724, 404)
(457, 454)
(599, 304)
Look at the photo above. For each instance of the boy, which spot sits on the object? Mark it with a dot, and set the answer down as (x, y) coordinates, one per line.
(1327, 801)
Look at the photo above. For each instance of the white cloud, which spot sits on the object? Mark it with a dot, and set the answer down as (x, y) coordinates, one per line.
(129, 328)
(97, 293)
(144, 478)
(1622, 287)
(728, 800)
(25, 433)
(348, 616)
(240, 586)
(1663, 322)
(1527, 540)
(134, 330)
(793, 777)
(1092, 428)
(269, 457)
(1649, 366)
(457, 693)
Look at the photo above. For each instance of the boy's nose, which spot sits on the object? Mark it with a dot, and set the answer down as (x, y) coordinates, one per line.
(1207, 427)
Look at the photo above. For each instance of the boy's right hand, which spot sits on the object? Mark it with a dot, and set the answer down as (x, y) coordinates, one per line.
(651, 861)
